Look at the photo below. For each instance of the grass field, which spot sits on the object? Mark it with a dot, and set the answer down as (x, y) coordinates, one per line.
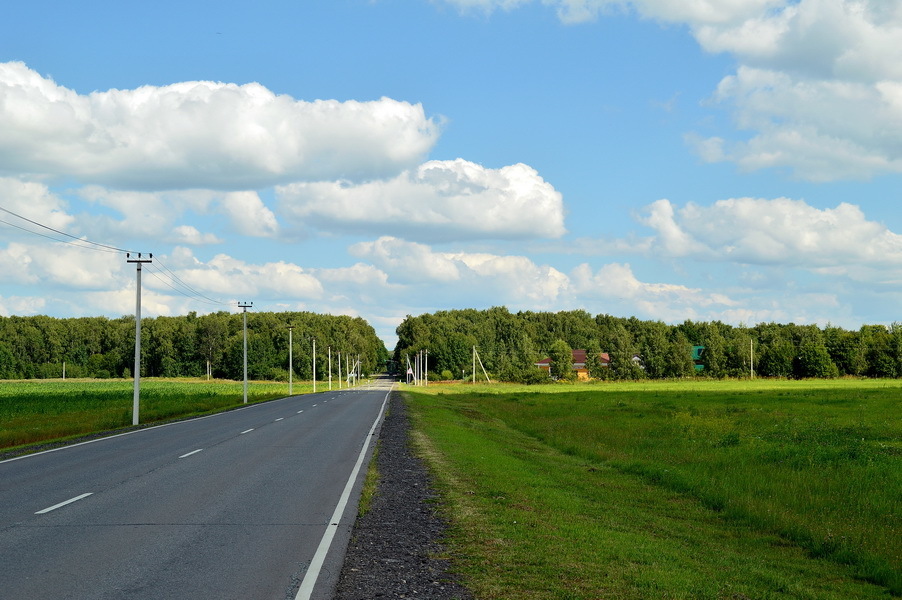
(41, 410)
(764, 489)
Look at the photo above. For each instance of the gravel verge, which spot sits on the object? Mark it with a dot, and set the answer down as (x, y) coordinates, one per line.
(395, 546)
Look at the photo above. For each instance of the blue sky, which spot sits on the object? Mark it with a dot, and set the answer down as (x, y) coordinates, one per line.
(709, 159)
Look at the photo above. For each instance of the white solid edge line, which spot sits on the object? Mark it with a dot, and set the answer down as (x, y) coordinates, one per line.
(192, 452)
(61, 504)
(319, 557)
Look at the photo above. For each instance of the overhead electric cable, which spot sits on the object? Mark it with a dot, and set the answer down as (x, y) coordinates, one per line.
(194, 295)
(58, 240)
(63, 233)
(176, 278)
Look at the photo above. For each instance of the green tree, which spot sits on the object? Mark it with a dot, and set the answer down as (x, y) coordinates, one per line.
(679, 359)
(561, 355)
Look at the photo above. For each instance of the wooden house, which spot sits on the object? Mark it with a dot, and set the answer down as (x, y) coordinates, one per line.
(579, 363)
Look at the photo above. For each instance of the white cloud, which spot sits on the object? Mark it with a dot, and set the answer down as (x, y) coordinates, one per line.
(188, 234)
(360, 274)
(511, 280)
(225, 277)
(408, 262)
(818, 83)
(780, 232)
(691, 11)
(441, 200)
(248, 214)
(59, 265)
(665, 301)
(33, 201)
(201, 134)
(17, 305)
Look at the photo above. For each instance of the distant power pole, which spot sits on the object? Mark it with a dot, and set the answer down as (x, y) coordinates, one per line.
(137, 399)
(314, 365)
(245, 306)
(290, 358)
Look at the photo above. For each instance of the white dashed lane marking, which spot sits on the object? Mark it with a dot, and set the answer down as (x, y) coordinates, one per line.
(62, 504)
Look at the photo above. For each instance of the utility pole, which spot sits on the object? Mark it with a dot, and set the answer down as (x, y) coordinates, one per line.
(330, 367)
(314, 365)
(245, 306)
(137, 399)
(339, 369)
(290, 358)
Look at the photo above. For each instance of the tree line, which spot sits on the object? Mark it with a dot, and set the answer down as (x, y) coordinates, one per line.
(509, 344)
(184, 346)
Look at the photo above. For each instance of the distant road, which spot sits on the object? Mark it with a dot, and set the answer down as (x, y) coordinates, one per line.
(232, 506)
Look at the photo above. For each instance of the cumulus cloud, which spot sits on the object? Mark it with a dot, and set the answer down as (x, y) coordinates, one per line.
(512, 280)
(33, 201)
(691, 11)
(819, 85)
(201, 134)
(617, 282)
(408, 262)
(17, 305)
(188, 234)
(780, 231)
(248, 214)
(442, 200)
(819, 82)
(224, 276)
(59, 265)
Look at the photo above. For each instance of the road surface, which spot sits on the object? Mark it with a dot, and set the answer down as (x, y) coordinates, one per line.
(235, 505)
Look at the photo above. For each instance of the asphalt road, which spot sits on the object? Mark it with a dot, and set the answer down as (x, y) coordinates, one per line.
(232, 506)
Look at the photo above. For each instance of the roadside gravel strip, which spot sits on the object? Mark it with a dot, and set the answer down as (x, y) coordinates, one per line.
(393, 546)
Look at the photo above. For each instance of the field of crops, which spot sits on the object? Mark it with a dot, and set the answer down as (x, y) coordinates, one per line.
(40, 410)
(764, 489)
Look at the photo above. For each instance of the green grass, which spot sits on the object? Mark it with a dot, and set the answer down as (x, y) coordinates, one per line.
(762, 489)
(36, 411)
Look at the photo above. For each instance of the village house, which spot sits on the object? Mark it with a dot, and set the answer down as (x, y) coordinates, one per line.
(579, 363)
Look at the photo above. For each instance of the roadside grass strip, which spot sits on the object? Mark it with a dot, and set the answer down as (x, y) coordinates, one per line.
(36, 411)
(701, 491)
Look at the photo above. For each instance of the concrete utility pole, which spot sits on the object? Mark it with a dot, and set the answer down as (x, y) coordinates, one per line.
(290, 362)
(314, 365)
(330, 368)
(137, 399)
(245, 306)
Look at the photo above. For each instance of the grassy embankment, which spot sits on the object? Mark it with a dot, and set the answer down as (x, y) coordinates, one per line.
(41, 410)
(764, 489)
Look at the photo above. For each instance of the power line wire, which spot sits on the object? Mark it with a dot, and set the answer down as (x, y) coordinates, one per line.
(63, 233)
(174, 280)
(188, 287)
(58, 240)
